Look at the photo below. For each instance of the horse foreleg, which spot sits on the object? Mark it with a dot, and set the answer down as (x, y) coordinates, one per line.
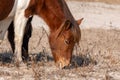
(19, 23)
(11, 36)
(27, 35)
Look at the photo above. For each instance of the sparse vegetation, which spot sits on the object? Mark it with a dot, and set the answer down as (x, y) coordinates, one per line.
(95, 58)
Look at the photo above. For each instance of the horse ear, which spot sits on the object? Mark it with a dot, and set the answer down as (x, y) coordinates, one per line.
(65, 25)
(79, 21)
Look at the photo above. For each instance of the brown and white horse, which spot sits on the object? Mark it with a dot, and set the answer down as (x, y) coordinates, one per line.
(64, 30)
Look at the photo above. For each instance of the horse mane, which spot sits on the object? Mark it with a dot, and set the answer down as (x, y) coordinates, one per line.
(76, 33)
(75, 27)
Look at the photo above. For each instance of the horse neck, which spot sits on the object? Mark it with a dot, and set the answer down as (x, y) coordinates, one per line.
(55, 17)
(54, 21)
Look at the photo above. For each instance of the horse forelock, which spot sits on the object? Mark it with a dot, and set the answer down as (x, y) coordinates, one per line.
(74, 28)
(76, 33)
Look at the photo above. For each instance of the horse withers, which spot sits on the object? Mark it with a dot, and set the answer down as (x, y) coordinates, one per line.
(64, 29)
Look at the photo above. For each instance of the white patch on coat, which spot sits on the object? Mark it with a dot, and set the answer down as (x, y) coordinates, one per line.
(20, 23)
(20, 19)
(12, 13)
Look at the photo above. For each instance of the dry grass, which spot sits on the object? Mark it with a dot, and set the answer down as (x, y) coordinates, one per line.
(96, 57)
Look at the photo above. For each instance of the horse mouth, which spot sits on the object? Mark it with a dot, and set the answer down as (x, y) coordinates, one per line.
(62, 62)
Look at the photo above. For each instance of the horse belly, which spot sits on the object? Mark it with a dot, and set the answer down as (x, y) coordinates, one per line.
(4, 24)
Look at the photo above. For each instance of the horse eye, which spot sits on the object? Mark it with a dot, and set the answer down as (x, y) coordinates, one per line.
(67, 42)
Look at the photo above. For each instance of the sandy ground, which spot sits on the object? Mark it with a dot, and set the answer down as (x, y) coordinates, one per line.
(96, 57)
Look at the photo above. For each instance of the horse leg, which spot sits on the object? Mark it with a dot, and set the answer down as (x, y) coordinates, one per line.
(11, 35)
(27, 35)
(19, 23)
